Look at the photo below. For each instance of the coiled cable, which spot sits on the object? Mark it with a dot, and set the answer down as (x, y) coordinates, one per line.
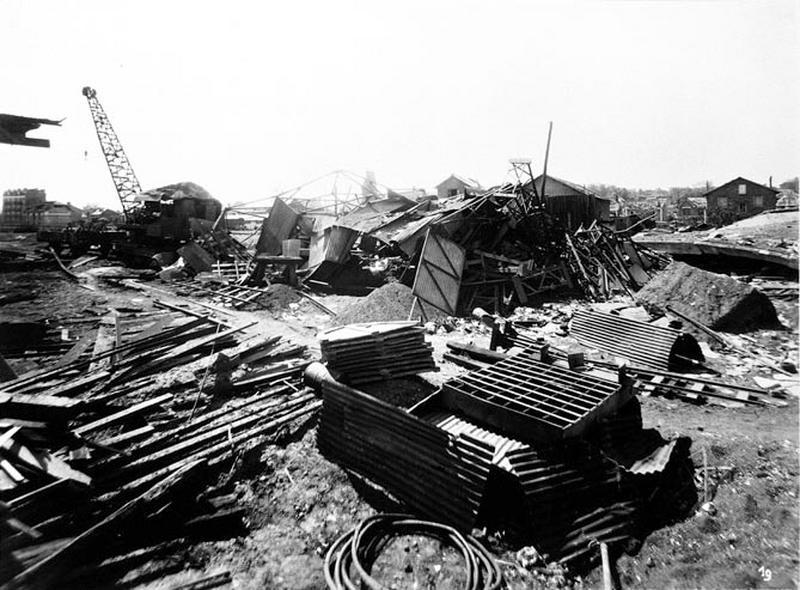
(357, 550)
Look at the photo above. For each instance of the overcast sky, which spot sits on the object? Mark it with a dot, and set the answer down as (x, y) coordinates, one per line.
(248, 98)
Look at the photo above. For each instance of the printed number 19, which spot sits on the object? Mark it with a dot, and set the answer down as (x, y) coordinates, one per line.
(766, 574)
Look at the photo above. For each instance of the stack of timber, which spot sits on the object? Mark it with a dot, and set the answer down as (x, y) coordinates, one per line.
(148, 430)
(361, 353)
(605, 262)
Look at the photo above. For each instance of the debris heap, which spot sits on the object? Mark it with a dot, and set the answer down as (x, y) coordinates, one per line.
(126, 446)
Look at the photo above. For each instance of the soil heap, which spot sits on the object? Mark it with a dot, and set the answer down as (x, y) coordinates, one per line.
(391, 302)
(716, 300)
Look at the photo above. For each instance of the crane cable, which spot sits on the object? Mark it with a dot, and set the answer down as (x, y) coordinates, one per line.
(359, 548)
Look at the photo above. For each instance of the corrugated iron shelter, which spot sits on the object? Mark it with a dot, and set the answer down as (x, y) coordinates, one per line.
(642, 344)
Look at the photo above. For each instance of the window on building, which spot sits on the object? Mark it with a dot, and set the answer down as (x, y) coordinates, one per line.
(452, 192)
(758, 201)
(742, 189)
(742, 207)
(722, 202)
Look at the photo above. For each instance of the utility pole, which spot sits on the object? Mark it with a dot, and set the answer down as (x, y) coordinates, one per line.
(546, 157)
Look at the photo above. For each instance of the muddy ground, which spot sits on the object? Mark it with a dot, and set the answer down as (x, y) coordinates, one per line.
(298, 502)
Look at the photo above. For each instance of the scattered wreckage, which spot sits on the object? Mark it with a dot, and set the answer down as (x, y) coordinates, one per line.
(538, 441)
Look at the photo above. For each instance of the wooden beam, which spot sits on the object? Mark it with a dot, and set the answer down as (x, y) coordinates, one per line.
(123, 414)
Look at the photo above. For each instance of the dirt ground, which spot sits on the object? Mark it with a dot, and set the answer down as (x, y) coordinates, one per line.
(298, 503)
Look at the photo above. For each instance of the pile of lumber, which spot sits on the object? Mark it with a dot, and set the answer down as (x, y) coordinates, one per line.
(135, 445)
(605, 262)
(362, 353)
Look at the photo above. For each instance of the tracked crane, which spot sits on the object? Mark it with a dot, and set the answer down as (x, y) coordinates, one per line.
(119, 166)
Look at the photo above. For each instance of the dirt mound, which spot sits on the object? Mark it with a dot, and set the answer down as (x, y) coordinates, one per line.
(718, 301)
(391, 302)
(278, 297)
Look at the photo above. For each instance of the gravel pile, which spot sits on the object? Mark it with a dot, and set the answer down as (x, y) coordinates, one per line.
(391, 302)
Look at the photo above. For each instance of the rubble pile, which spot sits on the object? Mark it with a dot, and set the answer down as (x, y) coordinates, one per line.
(134, 442)
(605, 262)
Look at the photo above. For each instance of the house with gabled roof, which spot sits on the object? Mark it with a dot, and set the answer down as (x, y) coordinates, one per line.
(455, 185)
(739, 198)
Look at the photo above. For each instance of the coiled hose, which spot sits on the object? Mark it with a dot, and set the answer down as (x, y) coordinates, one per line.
(358, 549)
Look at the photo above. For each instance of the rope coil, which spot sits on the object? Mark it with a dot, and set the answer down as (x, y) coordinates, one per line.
(358, 549)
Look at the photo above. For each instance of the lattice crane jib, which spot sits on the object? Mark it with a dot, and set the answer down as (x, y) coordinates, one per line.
(119, 166)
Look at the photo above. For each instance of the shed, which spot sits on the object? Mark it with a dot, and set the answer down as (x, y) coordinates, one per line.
(573, 204)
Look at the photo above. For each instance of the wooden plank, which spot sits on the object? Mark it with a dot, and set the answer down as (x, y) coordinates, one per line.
(44, 462)
(12, 472)
(8, 434)
(43, 573)
(38, 407)
(123, 414)
(127, 437)
(76, 351)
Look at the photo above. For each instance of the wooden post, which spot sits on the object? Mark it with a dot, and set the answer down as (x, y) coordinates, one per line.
(608, 583)
(117, 338)
(413, 306)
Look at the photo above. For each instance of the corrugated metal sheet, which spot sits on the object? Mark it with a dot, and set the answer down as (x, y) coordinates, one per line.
(457, 426)
(439, 475)
(654, 462)
(642, 344)
(534, 400)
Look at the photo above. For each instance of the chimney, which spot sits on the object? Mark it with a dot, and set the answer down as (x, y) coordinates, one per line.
(770, 182)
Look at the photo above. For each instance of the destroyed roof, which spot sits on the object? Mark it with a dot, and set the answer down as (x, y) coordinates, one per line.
(741, 179)
(176, 191)
(566, 183)
(469, 182)
(375, 214)
(14, 127)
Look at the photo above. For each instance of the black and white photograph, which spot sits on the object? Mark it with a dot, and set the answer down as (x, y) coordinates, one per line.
(399, 295)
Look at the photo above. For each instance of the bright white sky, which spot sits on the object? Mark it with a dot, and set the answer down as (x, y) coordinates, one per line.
(248, 98)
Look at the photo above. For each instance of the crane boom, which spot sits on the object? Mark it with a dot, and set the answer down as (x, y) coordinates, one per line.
(119, 166)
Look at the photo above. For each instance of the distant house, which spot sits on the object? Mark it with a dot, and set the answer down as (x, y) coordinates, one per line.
(573, 204)
(788, 199)
(455, 185)
(18, 206)
(53, 216)
(739, 198)
(108, 215)
(689, 210)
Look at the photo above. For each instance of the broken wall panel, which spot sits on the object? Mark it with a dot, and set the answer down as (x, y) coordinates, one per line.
(276, 228)
(438, 278)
